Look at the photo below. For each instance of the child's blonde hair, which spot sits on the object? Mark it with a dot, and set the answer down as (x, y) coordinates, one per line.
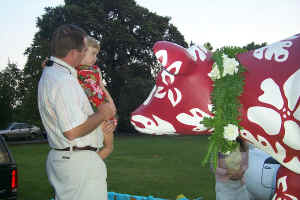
(92, 42)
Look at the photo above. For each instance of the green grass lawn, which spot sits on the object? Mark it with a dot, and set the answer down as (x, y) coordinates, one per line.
(161, 166)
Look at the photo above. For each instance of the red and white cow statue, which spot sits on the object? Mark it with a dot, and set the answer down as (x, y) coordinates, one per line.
(270, 115)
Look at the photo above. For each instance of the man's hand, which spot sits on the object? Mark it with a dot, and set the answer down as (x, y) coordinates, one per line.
(44, 62)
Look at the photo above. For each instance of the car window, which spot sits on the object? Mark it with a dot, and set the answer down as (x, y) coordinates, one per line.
(27, 126)
(3, 154)
(24, 126)
(17, 126)
(9, 126)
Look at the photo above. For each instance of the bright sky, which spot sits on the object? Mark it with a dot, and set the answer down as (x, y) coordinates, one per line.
(220, 22)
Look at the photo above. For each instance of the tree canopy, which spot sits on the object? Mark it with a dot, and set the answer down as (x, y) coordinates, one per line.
(11, 93)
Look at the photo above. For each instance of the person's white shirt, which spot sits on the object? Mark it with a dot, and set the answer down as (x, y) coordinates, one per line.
(63, 105)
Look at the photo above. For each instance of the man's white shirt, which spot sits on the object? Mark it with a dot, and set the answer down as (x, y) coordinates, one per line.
(63, 106)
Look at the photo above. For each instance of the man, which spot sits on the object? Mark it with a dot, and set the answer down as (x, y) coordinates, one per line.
(74, 168)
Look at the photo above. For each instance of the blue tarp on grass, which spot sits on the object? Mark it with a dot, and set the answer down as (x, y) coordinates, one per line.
(118, 196)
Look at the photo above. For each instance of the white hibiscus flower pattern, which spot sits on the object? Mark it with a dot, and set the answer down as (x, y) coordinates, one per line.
(194, 118)
(284, 115)
(281, 184)
(168, 79)
(174, 94)
(276, 50)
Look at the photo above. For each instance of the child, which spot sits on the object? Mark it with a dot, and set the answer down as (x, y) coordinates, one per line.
(90, 79)
(229, 174)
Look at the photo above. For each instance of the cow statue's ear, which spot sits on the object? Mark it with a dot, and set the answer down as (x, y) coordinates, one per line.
(176, 59)
(199, 53)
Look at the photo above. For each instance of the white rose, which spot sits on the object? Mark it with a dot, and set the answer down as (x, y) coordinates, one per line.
(230, 65)
(214, 73)
(231, 132)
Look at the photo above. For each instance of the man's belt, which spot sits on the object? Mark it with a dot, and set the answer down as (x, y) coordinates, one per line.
(75, 148)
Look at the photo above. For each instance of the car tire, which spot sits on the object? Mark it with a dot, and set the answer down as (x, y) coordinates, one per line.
(33, 136)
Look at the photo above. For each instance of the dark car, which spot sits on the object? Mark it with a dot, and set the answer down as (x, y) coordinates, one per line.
(8, 173)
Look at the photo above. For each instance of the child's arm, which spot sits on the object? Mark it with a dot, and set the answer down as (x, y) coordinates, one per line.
(237, 175)
(108, 128)
(107, 95)
(219, 170)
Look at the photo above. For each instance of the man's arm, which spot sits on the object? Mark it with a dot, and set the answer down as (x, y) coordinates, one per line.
(105, 111)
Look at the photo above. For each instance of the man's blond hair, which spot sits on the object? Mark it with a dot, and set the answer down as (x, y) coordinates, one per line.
(92, 42)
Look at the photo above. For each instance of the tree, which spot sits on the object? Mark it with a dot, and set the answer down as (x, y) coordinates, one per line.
(126, 32)
(11, 93)
(208, 46)
(252, 46)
